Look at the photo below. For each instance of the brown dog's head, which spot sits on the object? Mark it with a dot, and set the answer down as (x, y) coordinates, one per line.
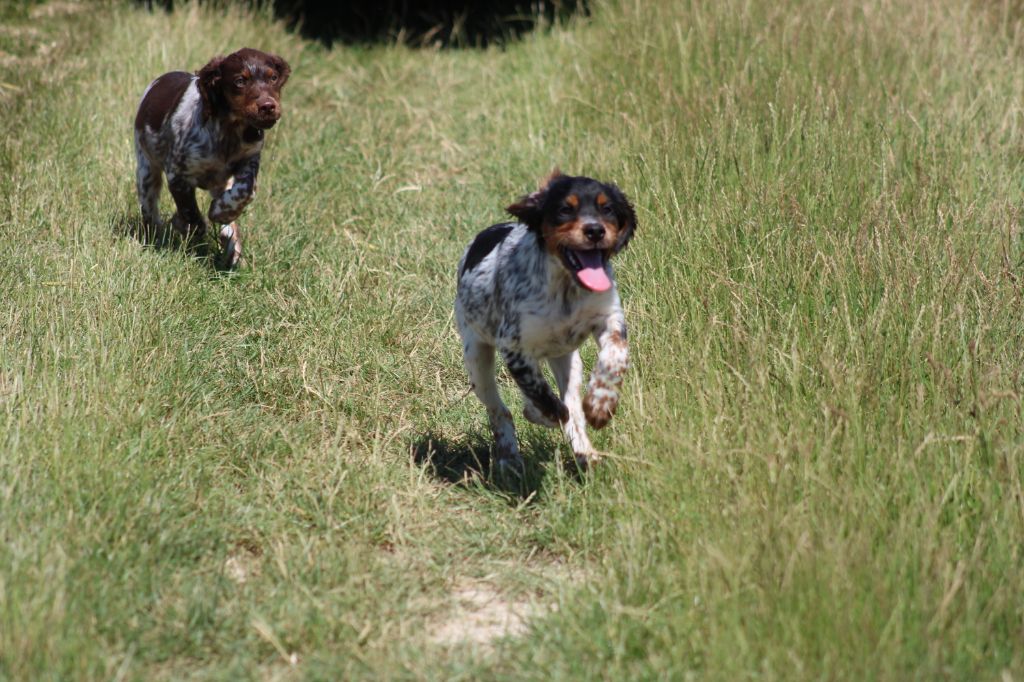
(244, 87)
(581, 222)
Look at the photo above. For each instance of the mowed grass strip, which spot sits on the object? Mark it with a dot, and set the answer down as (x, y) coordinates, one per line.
(816, 466)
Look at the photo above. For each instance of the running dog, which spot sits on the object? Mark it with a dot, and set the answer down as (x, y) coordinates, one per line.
(534, 290)
(206, 131)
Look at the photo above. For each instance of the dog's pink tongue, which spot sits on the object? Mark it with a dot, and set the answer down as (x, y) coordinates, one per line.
(592, 274)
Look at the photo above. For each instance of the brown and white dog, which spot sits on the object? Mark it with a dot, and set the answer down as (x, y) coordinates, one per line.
(206, 130)
(535, 290)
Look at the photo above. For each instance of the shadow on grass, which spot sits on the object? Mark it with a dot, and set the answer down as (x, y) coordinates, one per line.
(130, 225)
(471, 462)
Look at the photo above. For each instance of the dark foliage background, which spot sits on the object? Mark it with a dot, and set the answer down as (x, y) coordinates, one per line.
(452, 23)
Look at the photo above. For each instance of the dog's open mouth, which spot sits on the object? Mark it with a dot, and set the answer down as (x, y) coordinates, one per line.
(588, 267)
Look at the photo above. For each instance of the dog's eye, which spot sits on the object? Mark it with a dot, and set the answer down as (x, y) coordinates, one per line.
(607, 209)
(239, 82)
(273, 78)
(565, 212)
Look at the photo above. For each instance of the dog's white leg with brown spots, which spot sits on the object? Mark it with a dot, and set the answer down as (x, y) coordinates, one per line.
(612, 362)
(568, 371)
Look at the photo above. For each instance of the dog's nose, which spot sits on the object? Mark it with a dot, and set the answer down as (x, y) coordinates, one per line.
(268, 108)
(594, 231)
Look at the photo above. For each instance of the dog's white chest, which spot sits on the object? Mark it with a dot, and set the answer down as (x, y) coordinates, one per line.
(549, 335)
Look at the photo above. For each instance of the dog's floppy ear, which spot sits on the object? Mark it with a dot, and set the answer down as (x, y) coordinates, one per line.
(209, 86)
(530, 208)
(282, 68)
(625, 214)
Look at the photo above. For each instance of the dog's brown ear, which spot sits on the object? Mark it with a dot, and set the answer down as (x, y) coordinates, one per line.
(209, 86)
(530, 208)
(281, 66)
(625, 214)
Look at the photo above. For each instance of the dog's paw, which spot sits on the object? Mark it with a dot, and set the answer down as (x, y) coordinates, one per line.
(188, 233)
(535, 416)
(230, 245)
(228, 206)
(227, 210)
(509, 469)
(587, 460)
(599, 406)
(219, 214)
(550, 420)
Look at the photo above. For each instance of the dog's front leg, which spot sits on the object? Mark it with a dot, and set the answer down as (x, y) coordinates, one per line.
(568, 371)
(547, 409)
(188, 219)
(226, 207)
(612, 362)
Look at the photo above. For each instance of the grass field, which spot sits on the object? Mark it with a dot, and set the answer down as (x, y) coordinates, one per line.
(816, 469)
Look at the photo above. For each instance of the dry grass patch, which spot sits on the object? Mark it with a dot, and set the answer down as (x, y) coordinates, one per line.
(481, 611)
(480, 614)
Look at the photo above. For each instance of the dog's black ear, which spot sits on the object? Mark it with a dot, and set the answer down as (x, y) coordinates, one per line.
(530, 208)
(282, 68)
(209, 87)
(626, 217)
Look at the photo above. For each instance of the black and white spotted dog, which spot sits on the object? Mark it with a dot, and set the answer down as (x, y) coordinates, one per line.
(535, 290)
(206, 131)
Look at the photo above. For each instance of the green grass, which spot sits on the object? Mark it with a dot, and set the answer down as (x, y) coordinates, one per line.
(817, 462)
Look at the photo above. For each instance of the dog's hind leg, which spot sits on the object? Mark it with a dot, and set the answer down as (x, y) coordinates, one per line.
(149, 179)
(479, 359)
(568, 371)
